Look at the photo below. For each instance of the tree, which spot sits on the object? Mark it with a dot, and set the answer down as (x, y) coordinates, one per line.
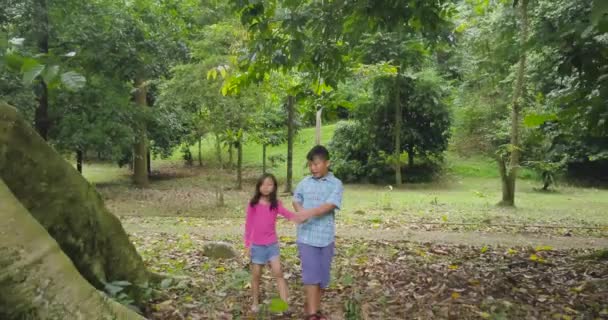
(316, 38)
(66, 205)
(269, 126)
(508, 159)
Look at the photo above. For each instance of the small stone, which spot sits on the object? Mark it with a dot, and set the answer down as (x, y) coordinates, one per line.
(219, 250)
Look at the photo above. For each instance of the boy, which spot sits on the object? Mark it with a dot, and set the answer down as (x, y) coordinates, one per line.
(316, 198)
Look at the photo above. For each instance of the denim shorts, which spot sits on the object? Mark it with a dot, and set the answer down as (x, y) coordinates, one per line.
(262, 254)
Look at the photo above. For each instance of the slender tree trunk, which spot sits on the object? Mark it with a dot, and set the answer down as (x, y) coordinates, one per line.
(398, 120)
(200, 151)
(509, 178)
(318, 127)
(41, 23)
(218, 150)
(239, 165)
(140, 150)
(290, 136)
(264, 158)
(149, 162)
(79, 159)
(230, 155)
(410, 158)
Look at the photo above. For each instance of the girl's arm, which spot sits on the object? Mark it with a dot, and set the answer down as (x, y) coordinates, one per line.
(288, 214)
(248, 226)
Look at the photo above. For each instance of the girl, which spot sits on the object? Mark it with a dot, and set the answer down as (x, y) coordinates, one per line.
(261, 242)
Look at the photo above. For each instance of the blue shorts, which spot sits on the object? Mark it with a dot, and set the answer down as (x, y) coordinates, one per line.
(262, 254)
(316, 264)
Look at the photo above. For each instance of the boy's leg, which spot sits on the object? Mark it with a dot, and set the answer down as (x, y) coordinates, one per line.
(311, 271)
(326, 258)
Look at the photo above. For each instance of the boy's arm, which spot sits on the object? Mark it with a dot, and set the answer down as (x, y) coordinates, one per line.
(334, 201)
(298, 198)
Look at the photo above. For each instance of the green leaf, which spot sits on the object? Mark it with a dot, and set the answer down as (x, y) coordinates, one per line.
(535, 120)
(166, 283)
(50, 73)
(14, 61)
(598, 11)
(31, 70)
(277, 305)
(73, 80)
(112, 289)
(3, 40)
(122, 283)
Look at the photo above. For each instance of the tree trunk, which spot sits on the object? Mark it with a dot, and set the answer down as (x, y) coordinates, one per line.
(410, 158)
(200, 151)
(508, 195)
(239, 165)
(79, 159)
(38, 280)
(264, 158)
(218, 151)
(230, 155)
(41, 23)
(66, 205)
(398, 120)
(318, 127)
(140, 150)
(290, 136)
(508, 183)
(149, 163)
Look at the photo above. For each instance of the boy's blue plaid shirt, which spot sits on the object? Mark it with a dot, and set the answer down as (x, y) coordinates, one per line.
(311, 193)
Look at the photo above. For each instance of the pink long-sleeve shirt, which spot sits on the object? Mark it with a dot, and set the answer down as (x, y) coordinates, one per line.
(260, 225)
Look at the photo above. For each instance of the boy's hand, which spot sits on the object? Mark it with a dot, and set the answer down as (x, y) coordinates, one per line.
(298, 218)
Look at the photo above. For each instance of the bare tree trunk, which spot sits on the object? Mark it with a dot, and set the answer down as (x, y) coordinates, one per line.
(79, 159)
(509, 178)
(264, 146)
(318, 127)
(239, 165)
(410, 158)
(200, 151)
(290, 136)
(140, 150)
(149, 162)
(230, 155)
(41, 23)
(398, 120)
(218, 150)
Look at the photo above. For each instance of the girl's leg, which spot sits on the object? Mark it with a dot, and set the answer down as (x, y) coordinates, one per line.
(275, 267)
(256, 275)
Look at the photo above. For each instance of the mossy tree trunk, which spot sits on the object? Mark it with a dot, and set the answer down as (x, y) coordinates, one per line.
(38, 280)
(66, 205)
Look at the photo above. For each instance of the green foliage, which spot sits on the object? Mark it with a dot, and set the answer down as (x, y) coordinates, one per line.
(277, 305)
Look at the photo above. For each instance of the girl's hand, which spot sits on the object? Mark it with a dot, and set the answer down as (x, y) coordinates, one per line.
(299, 218)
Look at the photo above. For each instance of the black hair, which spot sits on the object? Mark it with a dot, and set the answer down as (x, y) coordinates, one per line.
(318, 151)
(274, 202)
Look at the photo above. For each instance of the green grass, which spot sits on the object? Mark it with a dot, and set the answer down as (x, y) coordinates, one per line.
(479, 167)
(468, 194)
